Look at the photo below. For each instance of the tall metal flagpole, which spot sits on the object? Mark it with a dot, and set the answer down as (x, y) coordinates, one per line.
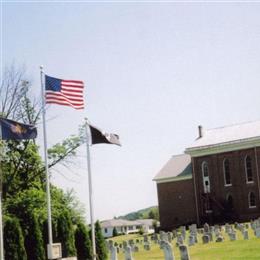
(90, 194)
(46, 161)
(1, 218)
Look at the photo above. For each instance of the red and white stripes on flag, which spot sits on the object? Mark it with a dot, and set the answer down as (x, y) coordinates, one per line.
(64, 92)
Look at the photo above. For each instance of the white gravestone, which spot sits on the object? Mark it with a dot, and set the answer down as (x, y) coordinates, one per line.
(113, 250)
(257, 232)
(245, 235)
(206, 227)
(167, 250)
(191, 240)
(232, 236)
(183, 232)
(169, 237)
(128, 253)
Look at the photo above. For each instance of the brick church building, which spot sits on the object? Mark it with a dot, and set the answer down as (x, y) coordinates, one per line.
(216, 180)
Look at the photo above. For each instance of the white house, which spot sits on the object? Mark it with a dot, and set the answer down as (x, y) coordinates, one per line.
(126, 226)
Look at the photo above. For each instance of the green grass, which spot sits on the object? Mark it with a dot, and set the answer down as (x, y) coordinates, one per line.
(227, 250)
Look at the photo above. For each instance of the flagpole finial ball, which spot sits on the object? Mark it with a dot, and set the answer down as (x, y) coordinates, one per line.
(41, 67)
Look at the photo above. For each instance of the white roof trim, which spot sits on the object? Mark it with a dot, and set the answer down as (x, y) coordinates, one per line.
(224, 147)
(173, 179)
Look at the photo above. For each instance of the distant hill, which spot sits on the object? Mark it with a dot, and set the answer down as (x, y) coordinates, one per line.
(151, 212)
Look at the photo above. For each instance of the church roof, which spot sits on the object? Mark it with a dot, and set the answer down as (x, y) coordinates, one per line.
(227, 138)
(124, 222)
(177, 168)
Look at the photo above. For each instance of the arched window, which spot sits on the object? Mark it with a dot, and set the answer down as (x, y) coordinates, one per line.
(205, 177)
(230, 203)
(226, 169)
(248, 169)
(251, 200)
(205, 170)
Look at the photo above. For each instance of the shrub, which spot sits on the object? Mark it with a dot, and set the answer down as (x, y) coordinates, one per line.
(13, 240)
(83, 243)
(101, 248)
(115, 233)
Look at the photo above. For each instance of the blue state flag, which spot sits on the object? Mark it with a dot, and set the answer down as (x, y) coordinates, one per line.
(12, 130)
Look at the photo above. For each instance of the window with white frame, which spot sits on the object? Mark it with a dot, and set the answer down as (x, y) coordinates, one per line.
(248, 169)
(205, 177)
(226, 169)
(251, 200)
(205, 170)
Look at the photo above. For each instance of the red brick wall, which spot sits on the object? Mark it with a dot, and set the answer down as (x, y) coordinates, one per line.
(176, 203)
(239, 189)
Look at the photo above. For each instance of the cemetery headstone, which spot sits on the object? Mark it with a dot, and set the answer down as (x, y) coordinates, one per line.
(232, 236)
(205, 239)
(183, 232)
(219, 239)
(191, 240)
(184, 253)
(169, 237)
(167, 250)
(174, 233)
(156, 238)
(125, 244)
(206, 227)
(136, 249)
(161, 234)
(147, 246)
(113, 250)
(128, 253)
(257, 232)
(145, 238)
(245, 235)
(180, 239)
(210, 236)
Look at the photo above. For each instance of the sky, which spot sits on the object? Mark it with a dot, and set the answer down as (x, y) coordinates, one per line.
(153, 71)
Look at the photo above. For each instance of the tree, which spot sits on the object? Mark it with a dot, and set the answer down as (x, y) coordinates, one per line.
(34, 241)
(13, 240)
(83, 243)
(14, 101)
(115, 233)
(29, 206)
(141, 230)
(76, 208)
(101, 248)
(154, 214)
(24, 175)
(155, 225)
(151, 214)
(22, 158)
(65, 234)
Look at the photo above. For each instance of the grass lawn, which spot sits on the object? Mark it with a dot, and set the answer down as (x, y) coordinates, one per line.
(227, 250)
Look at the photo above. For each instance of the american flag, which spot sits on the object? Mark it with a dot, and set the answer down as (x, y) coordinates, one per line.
(64, 92)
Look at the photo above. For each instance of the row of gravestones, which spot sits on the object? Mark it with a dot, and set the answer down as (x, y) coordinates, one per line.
(164, 239)
(255, 225)
(164, 245)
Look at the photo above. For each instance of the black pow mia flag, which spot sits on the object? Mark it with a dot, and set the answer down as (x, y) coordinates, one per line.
(98, 137)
